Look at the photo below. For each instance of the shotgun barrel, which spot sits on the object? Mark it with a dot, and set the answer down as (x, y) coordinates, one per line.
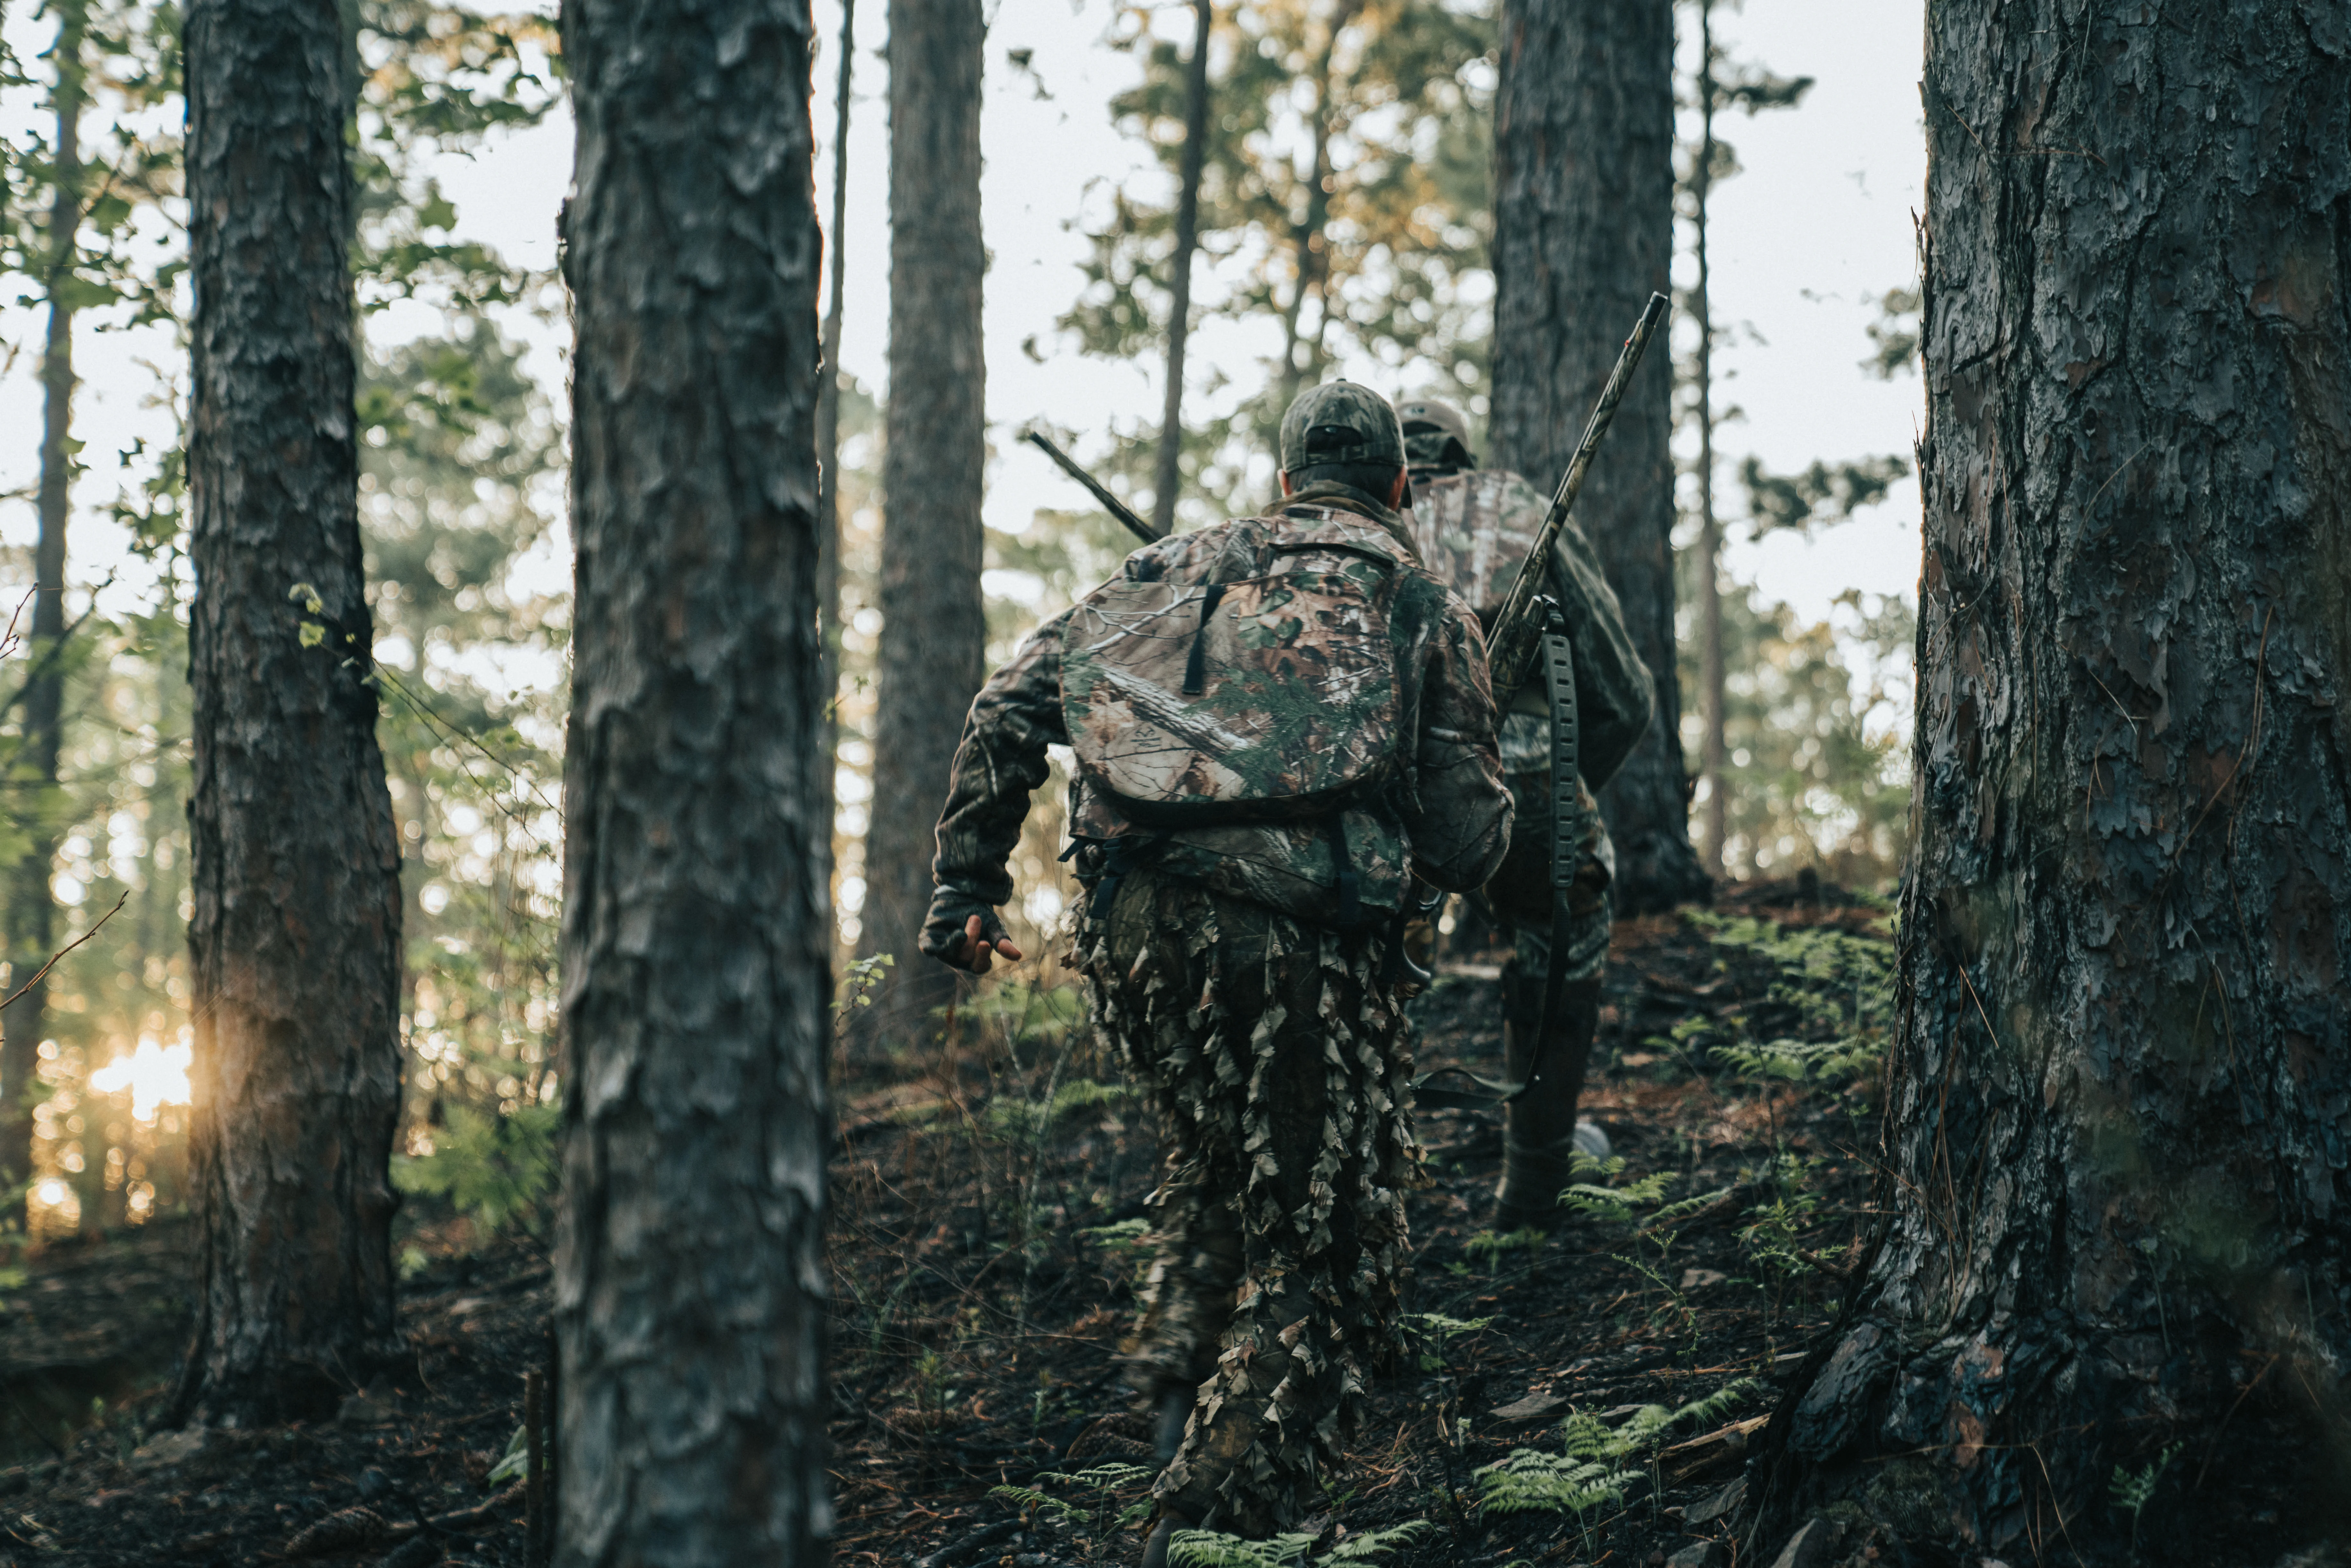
(1510, 650)
(1117, 508)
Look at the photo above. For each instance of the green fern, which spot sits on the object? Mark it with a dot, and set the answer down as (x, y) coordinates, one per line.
(1799, 1062)
(1105, 1481)
(1532, 1482)
(1213, 1549)
(2132, 1491)
(1714, 1406)
(1102, 1478)
(1493, 1246)
(1028, 1499)
(1590, 1472)
(1374, 1545)
(1435, 1331)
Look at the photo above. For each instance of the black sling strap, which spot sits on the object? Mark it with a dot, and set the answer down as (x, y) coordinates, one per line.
(1556, 655)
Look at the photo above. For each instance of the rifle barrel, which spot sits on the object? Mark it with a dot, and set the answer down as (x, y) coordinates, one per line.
(1512, 646)
(1117, 508)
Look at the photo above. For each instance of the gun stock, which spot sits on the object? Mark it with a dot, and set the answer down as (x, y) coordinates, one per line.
(1510, 650)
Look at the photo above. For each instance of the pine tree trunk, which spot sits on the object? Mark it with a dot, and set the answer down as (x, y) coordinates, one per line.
(32, 906)
(689, 1270)
(1179, 270)
(1584, 221)
(295, 942)
(2117, 1084)
(828, 423)
(1713, 754)
(934, 645)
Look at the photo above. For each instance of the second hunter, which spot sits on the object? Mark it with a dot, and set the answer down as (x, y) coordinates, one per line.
(1472, 527)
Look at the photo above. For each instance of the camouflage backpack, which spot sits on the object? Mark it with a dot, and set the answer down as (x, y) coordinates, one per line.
(1269, 698)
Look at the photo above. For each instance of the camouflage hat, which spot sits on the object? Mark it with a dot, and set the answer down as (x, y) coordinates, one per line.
(1431, 429)
(1430, 411)
(1339, 421)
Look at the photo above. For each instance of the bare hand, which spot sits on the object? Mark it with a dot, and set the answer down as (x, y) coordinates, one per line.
(975, 952)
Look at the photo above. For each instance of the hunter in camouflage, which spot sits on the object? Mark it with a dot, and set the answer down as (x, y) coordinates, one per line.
(1245, 961)
(1472, 527)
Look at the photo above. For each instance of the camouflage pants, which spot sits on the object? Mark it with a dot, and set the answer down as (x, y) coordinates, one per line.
(1519, 893)
(1276, 1054)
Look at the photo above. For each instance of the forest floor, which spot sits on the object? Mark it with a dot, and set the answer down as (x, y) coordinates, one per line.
(1583, 1396)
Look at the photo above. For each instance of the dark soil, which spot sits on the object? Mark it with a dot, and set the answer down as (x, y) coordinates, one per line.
(984, 1256)
(86, 1358)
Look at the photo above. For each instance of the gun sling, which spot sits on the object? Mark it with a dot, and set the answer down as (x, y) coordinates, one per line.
(1567, 829)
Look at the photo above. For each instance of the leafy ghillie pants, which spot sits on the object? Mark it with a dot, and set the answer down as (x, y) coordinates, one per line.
(1275, 1053)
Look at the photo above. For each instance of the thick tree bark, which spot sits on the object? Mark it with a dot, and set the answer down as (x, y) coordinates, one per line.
(295, 943)
(934, 631)
(1179, 269)
(32, 906)
(2118, 1086)
(1583, 229)
(690, 1289)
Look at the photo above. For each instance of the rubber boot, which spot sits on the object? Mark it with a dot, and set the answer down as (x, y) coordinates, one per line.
(1538, 1127)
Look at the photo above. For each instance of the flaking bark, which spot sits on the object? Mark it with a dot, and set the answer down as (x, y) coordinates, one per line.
(1583, 215)
(934, 644)
(295, 941)
(690, 1289)
(2118, 1087)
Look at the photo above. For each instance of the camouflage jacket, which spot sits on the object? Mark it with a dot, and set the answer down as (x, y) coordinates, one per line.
(1446, 816)
(1472, 530)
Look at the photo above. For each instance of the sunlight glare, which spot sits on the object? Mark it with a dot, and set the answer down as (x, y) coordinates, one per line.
(156, 1075)
(51, 1193)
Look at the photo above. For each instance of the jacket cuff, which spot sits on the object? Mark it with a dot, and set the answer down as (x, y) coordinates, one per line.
(950, 911)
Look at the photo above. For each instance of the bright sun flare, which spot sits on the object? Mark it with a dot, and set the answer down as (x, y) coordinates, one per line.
(155, 1075)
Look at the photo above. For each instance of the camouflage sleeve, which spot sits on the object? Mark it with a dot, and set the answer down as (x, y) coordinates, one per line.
(999, 762)
(1614, 694)
(1460, 825)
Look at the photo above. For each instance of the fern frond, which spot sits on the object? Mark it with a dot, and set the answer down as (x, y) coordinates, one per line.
(1102, 1478)
(1532, 1482)
(1374, 1545)
(1030, 1498)
(1213, 1549)
(1719, 1403)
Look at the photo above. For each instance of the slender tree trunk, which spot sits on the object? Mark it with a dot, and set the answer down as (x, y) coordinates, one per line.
(2117, 1088)
(690, 1283)
(1179, 268)
(1583, 233)
(1714, 759)
(934, 632)
(828, 428)
(1311, 252)
(295, 943)
(32, 912)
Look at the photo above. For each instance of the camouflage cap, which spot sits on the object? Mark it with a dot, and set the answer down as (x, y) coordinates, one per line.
(1339, 421)
(1431, 411)
(1431, 429)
